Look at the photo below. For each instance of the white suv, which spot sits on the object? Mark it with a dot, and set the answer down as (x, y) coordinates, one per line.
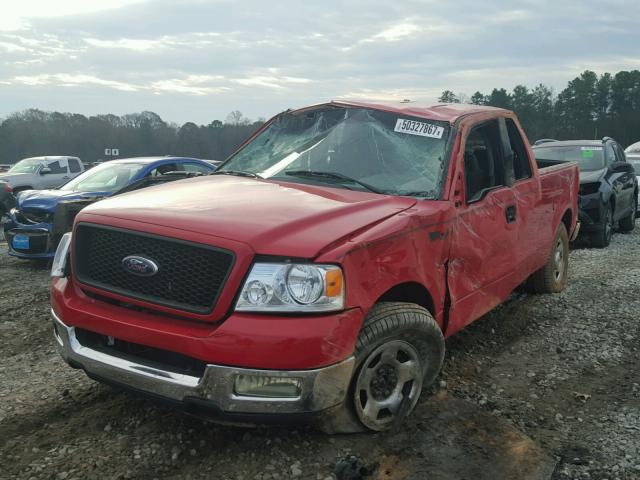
(39, 173)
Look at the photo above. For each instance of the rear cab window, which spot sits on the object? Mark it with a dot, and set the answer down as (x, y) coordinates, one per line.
(74, 165)
(521, 162)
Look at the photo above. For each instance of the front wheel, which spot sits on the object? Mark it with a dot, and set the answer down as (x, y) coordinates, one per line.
(399, 351)
(602, 237)
(628, 223)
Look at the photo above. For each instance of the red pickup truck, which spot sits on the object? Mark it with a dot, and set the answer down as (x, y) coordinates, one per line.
(319, 270)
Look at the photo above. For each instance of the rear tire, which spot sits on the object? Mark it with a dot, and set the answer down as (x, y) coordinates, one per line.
(628, 223)
(552, 278)
(399, 351)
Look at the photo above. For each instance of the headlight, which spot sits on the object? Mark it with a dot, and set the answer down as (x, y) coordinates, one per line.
(60, 260)
(298, 287)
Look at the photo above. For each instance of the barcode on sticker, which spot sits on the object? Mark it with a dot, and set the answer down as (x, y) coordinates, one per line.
(590, 148)
(418, 128)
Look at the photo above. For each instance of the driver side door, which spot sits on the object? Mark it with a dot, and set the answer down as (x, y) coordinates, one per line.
(484, 238)
(58, 175)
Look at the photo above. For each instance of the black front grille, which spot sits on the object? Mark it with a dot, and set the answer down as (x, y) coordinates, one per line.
(153, 357)
(190, 276)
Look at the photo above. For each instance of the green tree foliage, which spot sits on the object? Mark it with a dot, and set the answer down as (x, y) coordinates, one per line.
(34, 132)
(448, 97)
(590, 107)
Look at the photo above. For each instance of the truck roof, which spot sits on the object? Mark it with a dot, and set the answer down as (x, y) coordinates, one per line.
(569, 143)
(446, 112)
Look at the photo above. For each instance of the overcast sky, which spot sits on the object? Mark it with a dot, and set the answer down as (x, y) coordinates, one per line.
(196, 60)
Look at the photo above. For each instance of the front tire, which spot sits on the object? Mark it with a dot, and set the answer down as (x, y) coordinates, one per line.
(602, 238)
(628, 223)
(399, 351)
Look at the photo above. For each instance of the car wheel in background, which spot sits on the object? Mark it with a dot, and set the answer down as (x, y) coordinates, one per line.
(628, 223)
(602, 237)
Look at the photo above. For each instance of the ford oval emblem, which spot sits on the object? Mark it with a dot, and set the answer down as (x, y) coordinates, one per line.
(141, 266)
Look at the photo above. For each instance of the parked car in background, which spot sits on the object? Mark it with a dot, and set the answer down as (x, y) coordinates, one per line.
(42, 172)
(31, 230)
(4, 167)
(608, 184)
(316, 273)
(633, 157)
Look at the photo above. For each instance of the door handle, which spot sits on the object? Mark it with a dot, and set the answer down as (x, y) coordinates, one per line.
(510, 213)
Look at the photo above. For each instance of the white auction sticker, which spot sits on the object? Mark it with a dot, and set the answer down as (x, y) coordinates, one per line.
(590, 148)
(418, 128)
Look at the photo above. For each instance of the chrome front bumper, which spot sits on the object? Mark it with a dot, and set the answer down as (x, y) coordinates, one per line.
(321, 388)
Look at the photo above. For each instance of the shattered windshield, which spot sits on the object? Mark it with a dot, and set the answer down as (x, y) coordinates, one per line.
(354, 148)
(107, 177)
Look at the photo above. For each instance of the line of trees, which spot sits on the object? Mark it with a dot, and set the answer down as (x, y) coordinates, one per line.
(34, 132)
(590, 107)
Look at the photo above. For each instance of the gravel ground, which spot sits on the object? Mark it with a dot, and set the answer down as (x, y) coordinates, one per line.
(542, 387)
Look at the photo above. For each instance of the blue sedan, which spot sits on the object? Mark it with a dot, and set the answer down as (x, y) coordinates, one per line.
(29, 229)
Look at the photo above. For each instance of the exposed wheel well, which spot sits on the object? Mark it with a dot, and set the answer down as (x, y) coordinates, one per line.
(411, 292)
(566, 219)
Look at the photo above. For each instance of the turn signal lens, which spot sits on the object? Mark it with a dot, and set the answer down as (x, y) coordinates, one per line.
(333, 283)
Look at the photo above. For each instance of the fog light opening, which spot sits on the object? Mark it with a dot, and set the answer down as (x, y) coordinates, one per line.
(267, 387)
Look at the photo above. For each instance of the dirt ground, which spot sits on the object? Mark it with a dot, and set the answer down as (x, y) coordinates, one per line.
(543, 387)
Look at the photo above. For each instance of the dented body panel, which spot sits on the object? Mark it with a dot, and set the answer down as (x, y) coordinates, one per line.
(456, 257)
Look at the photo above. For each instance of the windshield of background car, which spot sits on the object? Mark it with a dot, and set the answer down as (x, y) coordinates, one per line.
(588, 157)
(104, 178)
(29, 165)
(393, 153)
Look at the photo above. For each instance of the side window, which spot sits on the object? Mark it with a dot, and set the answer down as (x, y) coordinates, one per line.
(162, 169)
(521, 163)
(195, 167)
(74, 165)
(483, 166)
(620, 155)
(57, 168)
(609, 153)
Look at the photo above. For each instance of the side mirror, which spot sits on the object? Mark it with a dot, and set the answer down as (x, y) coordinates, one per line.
(45, 170)
(622, 167)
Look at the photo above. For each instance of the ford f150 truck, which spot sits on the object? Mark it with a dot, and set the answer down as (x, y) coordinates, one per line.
(318, 272)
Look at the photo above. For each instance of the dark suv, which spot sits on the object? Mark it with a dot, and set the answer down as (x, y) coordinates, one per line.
(608, 185)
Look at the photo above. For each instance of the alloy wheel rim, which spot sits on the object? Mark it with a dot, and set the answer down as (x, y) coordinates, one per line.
(390, 373)
(559, 260)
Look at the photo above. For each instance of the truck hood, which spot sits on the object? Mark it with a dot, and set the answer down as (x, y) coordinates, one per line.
(272, 218)
(15, 178)
(46, 200)
(593, 176)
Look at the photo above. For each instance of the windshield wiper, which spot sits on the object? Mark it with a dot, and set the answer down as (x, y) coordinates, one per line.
(238, 173)
(332, 176)
(429, 194)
